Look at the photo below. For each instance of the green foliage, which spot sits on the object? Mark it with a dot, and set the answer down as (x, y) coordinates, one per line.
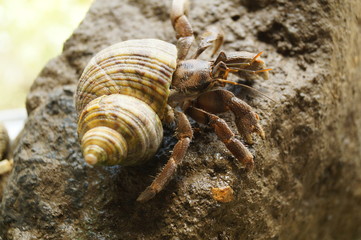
(32, 32)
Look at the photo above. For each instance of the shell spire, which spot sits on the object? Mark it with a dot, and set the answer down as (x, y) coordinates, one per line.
(119, 129)
(101, 144)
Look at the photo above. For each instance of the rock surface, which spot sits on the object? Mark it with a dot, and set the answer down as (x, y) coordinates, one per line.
(306, 183)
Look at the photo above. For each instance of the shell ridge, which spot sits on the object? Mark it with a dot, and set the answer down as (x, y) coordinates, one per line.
(123, 93)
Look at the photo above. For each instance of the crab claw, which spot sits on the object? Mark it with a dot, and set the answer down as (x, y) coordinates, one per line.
(248, 124)
(256, 69)
(258, 130)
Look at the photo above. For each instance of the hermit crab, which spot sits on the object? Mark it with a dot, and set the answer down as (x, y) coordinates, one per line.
(129, 90)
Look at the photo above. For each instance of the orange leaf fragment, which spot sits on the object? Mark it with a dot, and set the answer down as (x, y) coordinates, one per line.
(223, 194)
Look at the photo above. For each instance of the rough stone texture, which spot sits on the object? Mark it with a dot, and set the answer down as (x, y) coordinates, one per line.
(306, 183)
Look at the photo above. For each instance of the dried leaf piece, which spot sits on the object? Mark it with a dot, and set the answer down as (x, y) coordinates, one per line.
(223, 194)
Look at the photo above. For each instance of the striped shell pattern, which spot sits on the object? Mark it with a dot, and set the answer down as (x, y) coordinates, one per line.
(4, 142)
(121, 99)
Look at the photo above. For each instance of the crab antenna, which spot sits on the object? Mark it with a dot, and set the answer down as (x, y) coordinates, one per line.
(247, 70)
(264, 70)
(245, 86)
(255, 57)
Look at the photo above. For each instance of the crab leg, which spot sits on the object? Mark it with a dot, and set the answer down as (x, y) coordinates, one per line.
(184, 135)
(221, 101)
(182, 27)
(213, 35)
(224, 133)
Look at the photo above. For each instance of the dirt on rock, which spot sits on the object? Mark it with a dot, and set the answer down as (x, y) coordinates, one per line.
(306, 183)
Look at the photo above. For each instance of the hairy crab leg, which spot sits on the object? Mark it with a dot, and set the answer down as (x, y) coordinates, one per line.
(184, 135)
(246, 120)
(224, 133)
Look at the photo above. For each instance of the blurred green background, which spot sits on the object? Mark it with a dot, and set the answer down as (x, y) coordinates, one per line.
(31, 33)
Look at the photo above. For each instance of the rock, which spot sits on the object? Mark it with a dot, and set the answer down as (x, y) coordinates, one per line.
(306, 181)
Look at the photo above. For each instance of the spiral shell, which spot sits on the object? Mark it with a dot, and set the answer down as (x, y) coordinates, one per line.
(121, 100)
(4, 142)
